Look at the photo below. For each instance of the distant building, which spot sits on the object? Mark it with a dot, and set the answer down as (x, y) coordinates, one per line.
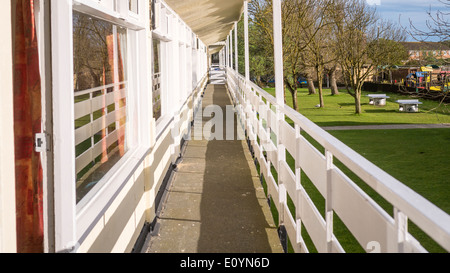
(422, 50)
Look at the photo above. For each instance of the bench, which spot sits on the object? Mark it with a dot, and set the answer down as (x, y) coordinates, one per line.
(410, 106)
(377, 99)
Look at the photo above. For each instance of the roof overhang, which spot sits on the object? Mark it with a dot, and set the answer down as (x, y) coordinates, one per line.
(211, 20)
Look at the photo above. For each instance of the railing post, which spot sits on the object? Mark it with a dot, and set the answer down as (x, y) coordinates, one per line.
(329, 202)
(401, 224)
(298, 175)
(281, 156)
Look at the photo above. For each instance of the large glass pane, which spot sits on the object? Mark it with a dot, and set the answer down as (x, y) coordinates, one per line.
(100, 93)
(156, 79)
(133, 6)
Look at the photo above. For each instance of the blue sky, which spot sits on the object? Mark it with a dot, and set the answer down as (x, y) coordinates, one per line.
(401, 11)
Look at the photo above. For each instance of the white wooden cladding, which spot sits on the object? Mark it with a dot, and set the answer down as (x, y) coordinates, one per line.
(363, 217)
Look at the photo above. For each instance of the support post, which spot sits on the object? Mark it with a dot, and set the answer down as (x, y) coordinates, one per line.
(247, 52)
(230, 44)
(329, 202)
(227, 51)
(278, 52)
(236, 56)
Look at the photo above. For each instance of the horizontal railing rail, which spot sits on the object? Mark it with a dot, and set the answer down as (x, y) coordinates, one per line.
(272, 137)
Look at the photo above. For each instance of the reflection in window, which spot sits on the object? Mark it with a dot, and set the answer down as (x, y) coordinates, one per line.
(133, 6)
(156, 79)
(100, 95)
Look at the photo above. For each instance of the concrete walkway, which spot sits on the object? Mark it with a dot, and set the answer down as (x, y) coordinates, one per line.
(216, 203)
(387, 127)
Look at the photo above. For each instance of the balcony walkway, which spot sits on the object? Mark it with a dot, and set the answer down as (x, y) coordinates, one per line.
(215, 202)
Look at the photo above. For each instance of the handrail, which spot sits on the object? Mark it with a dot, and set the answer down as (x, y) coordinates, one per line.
(407, 203)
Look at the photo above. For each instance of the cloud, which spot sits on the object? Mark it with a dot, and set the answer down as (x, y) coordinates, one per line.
(374, 2)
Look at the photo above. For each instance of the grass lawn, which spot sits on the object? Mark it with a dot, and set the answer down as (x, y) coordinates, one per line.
(417, 157)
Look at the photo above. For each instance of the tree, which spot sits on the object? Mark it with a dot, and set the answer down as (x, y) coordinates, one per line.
(297, 16)
(437, 24)
(364, 42)
(319, 41)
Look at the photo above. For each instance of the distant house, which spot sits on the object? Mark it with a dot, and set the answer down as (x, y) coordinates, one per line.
(422, 50)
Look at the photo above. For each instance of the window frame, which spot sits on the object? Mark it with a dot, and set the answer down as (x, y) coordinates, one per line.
(164, 24)
(73, 222)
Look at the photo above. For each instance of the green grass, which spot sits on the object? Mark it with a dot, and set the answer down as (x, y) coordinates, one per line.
(340, 110)
(416, 157)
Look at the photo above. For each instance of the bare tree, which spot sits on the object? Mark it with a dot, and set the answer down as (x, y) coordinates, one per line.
(363, 43)
(438, 25)
(319, 41)
(297, 16)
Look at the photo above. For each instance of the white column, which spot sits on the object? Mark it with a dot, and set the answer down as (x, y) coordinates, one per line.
(278, 52)
(247, 62)
(227, 52)
(231, 48)
(236, 57)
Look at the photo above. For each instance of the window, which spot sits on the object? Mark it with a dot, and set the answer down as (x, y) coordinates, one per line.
(100, 96)
(157, 106)
(133, 6)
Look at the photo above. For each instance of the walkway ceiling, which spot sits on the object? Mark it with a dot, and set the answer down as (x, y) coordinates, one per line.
(211, 20)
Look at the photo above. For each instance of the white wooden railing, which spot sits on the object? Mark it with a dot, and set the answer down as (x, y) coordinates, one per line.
(271, 136)
(100, 99)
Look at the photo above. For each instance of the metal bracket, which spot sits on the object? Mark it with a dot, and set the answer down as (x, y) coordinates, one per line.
(41, 143)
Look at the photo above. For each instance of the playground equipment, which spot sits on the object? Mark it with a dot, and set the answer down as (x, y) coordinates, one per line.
(426, 78)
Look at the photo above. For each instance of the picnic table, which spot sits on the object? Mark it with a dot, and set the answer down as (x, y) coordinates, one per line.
(410, 106)
(377, 99)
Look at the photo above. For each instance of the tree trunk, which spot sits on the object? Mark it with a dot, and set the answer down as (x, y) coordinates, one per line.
(259, 82)
(319, 84)
(334, 88)
(311, 88)
(293, 91)
(358, 109)
(294, 99)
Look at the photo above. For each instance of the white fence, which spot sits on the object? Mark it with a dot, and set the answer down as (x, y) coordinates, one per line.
(374, 229)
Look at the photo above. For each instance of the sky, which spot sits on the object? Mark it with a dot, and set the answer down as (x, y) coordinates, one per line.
(401, 11)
